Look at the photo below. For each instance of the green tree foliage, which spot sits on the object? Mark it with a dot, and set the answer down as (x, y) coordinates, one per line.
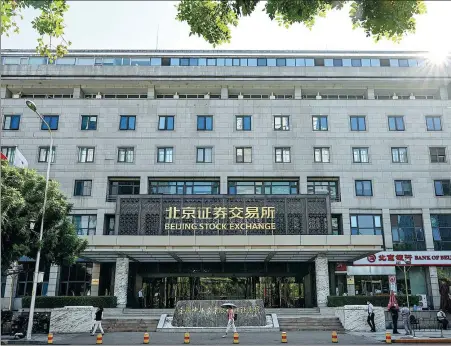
(49, 23)
(212, 19)
(22, 195)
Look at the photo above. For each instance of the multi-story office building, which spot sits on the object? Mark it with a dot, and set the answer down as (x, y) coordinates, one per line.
(240, 174)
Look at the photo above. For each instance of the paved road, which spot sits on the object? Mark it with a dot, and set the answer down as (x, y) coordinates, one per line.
(261, 339)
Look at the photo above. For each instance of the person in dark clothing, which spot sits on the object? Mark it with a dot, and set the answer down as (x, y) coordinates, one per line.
(98, 322)
(394, 317)
(370, 319)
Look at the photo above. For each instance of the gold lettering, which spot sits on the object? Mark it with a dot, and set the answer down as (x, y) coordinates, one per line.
(188, 213)
(268, 212)
(173, 213)
(203, 213)
(235, 213)
(219, 213)
(252, 213)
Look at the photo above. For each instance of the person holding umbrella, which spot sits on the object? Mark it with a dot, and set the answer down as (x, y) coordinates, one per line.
(230, 317)
(393, 308)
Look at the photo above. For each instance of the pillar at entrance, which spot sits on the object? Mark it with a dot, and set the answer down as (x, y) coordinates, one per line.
(54, 274)
(121, 281)
(322, 280)
(435, 287)
(95, 279)
(350, 285)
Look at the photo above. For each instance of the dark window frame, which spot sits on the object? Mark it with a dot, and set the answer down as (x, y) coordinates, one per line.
(80, 149)
(243, 155)
(282, 154)
(186, 187)
(203, 149)
(356, 230)
(168, 120)
(129, 125)
(243, 117)
(47, 153)
(11, 117)
(314, 183)
(262, 187)
(360, 149)
(320, 119)
(398, 150)
(82, 182)
(90, 230)
(403, 192)
(358, 128)
(126, 149)
(433, 128)
(445, 187)
(69, 280)
(88, 123)
(414, 228)
(440, 158)
(362, 182)
(166, 151)
(52, 120)
(202, 120)
(322, 155)
(282, 128)
(396, 128)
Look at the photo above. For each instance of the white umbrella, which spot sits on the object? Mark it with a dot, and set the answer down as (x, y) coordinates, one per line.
(225, 305)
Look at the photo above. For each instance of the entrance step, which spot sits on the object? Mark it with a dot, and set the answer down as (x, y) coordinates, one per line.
(293, 312)
(147, 312)
(130, 325)
(309, 323)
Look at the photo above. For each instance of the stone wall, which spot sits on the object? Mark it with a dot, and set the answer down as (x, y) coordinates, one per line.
(121, 281)
(322, 280)
(72, 319)
(354, 318)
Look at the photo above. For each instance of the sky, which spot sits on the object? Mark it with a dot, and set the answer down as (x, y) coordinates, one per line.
(152, 25)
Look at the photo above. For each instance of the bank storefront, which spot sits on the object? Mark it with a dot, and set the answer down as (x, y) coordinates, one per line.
(275, 248)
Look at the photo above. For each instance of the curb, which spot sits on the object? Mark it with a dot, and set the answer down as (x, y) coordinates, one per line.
(423, 341)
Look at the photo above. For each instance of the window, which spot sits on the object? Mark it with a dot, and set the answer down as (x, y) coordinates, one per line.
(75, 280)
(434, 123)
(44, 153)
(403, 188)
(11, 122)
(360, 155)
(399, 155)
(83, 188)
(366, 224)
(263, 187)
(337, 224)
(85, 224)
(88, 122)
(119, 187)
(126, 155)
(358, 123)
(322, 155)
(183, 187)
(86, 154)
(363, 188)
(396, 123)
(407, 232)
(385, 62)
(25, 280)
(319, 123)
(127, 122)
(108, 224)
(204, 155)
(243, 155)
(437, 154)
(9, 152)
(166, 123)
(441, 231)
(52, 121)
(282, 155)
(442, 187)
(205, 123)
(165, 155)
(356, 62)
(281, 123)
(243, 122)
(324, 186)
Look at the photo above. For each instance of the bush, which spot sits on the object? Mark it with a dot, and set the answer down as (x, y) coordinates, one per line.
(60, 302)
(382, 300)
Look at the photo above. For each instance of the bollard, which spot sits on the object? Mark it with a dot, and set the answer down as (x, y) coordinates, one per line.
(334, 337)
(186, 338)
(284, 337)
(99, 339)
(236, 338)
(388, 338)
(146, 338)
(50, 338)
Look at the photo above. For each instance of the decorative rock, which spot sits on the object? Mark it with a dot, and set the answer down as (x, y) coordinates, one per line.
(354, 318)
(121, 281)
(210, 313)
(322, 280)
(72, 319)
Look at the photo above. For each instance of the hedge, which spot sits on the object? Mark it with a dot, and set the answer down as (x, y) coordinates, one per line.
(380, 300)
(62, 301)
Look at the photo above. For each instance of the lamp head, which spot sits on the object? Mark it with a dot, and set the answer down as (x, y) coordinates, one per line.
(31, 105)
(32, 223)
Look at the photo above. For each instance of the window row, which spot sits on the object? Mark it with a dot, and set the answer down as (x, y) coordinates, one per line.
(200, 61)
(242, 154)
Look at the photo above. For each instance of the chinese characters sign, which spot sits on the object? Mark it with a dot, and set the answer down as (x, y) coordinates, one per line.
(414, 258)
(220, 218)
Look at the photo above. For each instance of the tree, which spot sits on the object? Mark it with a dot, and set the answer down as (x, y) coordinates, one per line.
(22, 195)
(212, 19)
(49, 24)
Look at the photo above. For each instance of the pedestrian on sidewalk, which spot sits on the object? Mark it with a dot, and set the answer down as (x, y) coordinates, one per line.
(405, 314)
(441, 318)
(98, 322)
(231, 321)
(141, 298)
(370, 318)
(394, 317)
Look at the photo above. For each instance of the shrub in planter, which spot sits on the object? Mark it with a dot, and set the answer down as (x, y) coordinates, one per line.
(62, 301)
(380, 300)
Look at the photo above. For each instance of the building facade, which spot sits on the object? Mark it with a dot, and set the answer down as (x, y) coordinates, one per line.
(239, 174)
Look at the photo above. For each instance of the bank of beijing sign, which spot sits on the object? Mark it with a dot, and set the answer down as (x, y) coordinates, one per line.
(220, 218)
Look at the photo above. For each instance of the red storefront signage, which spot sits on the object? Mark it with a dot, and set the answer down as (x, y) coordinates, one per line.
(341, 268)
(411, 258)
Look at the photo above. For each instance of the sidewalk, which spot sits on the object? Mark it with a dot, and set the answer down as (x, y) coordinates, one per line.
(423, 334)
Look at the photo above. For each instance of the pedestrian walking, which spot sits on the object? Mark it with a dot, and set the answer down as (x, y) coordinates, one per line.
(98, 322)
(141, 298)
(394, 317)
(441, 318)
(231, 321)
(370, 318)
(405, 314)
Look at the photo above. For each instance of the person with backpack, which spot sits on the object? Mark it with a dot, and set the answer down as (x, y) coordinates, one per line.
(98, 321)
(405, 314)
(231, 321)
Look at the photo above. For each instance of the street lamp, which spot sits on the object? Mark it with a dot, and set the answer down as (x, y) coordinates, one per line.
(32, 106)
(402, 264)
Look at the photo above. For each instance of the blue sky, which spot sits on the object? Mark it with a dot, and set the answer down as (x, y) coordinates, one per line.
(135, 25)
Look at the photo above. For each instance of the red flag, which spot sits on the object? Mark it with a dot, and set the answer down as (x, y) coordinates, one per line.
(3, 157)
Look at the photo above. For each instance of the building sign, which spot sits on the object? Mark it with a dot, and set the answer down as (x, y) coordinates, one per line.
(95, 282)
(350, 280)
(220, 218)
(392, 282)
(411, 258)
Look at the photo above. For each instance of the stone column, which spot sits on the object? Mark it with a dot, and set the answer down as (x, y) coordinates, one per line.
(224, 93)
(351, 287)
(444, 93)
(121, 281)
(151, 92)
(297, 93)
(78, 93)
(428, 230)
(322, 280)
(435, 286)
(370, 94)
(52, 289)
(388, 239)
(96, 277)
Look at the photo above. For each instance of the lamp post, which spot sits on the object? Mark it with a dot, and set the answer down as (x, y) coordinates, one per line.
(403, 264)
(33, 107)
